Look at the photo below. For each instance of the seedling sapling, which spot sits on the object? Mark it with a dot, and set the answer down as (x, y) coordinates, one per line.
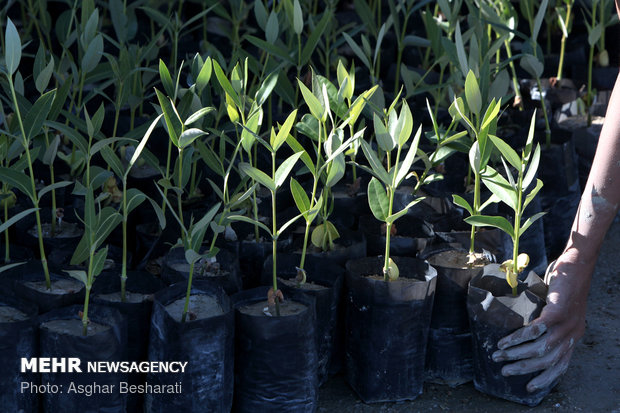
(273, 183)
(513, 193)
(394, 134)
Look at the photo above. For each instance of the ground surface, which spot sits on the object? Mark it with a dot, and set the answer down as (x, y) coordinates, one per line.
(592, 383)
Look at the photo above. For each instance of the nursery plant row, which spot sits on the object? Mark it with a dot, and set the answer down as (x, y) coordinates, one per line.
(277, 192)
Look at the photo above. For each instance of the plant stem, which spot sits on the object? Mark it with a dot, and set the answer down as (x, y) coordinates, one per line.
(388, 229)
(517, 228)
(180, 194)
(515, 81)
(187, 294)
(124, 263)
(274, 236)
(35, 198)
(544, 110)
(472, 237)
(7, 255)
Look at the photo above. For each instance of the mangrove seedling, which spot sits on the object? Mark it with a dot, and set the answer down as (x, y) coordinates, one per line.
(390, 135)
(512, 192)
(273, 183)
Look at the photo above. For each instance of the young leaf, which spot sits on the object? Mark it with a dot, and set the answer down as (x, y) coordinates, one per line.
(204, 75)
(313, 103)
(300, 197)
(173, 123)
(284, 131)
(315, 36)
(377, 168)
(18, 180)
(460, 50)
(248, 220)
(267, 87)
(498, 185)
(199, 114)
(530, 221)
(530, 197)
(384, 138)
(533, 167)
(37, 114)
(460, 201)
(472, 93)
(496, 222)
(142, 144)
(135, 198)
(13, 47)
(78, 275)
(189, 136)
(378, 199)
(43, 79)
(273, 28)
(507, 152)
(53, 186)
(392, 218)
(285, 169)
(99, 261)
(93, 54)
(204, 222)
(15, 218)
(258, 175)
(298, 19)
(225, 84)
(405, 166)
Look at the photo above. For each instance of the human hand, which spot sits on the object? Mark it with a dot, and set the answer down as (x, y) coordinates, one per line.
(547, 343)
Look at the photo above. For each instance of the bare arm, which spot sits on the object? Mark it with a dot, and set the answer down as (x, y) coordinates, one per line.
(547, 343)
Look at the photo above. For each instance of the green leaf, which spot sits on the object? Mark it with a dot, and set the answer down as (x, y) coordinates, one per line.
(406, 120)
(106, 142)
(13, 47)
(532, 65)
(296, 147)
(53, 186)
(491, 113)
(405, 166)
(257, 175)
(499, 186)
(15, 218)
(78, 275)
(298, 18)
(173, 123)
(204, 221)
(460, 201)
(528, 222)
(225, 84)
(266, 87)
(533, 167)
(357, 50)
(43, 79)
(595, 34)
(377, 168)
(99, 261)
(460, 50)
(530, 197)
(472, 93)
(204, 75)
(72, 134)
(285, 169)
(507, 152)
(273, 28)
(93, 54)
(142, 144)
(392, 218)
(300, 197)
(135, 198)
(260, 12)
(50, 153)
(17, 180)
(495, 222)
(192, 256)
(243, 218)
(161, 218)
(378, 199)
(284, 131)
(189, 136)
(475, 157)
(37, 114)
(540, 16)
(199, 114)
(385, 139)
(315, 106)
(166, 79)
(287, 224)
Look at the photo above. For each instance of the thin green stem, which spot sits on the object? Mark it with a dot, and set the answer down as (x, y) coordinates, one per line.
(124, 262)
(274, 236)
(188, 292)
(544, 110)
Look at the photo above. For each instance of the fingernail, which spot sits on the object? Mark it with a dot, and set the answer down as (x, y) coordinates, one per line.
(532, 388)
(507, 371)
(501, 344)
(499, 356)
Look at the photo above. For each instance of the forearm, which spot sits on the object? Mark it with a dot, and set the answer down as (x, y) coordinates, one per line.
(601, 195)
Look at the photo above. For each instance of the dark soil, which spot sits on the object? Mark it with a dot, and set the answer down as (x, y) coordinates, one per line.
(591, 384)
(129, 297)
(73, 327)
(11, 315)
(287, 307)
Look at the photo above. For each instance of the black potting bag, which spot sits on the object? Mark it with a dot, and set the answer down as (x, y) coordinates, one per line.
(411, 237)
(18, 339)
(33, 272)
(493, 314)
(387, 327)
(206, 345)
(275, 357)
(329, 323)
(137, 315)
(107, 345)
(229, 279)
(449, 358)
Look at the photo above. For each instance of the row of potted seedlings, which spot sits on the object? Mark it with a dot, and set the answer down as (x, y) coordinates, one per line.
(294, 238)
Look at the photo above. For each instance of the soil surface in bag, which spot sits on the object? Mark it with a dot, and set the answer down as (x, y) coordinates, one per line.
(204, 341)
(222, 270)
(324, 282)
(18, 338)
(61, 336)
(494, 313)
(29, 283)
(387, 326)
(275, 357)
(350, 245)
(449, 358)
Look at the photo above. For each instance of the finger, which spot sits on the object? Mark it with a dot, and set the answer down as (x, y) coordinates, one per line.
(527, 333)
(531, 349)
(546, 378)
(532, 365)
